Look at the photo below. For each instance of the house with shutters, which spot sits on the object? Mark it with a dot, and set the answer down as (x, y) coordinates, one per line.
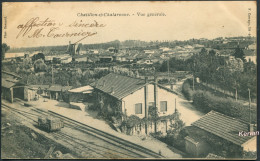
(120, 97)
(134, 96)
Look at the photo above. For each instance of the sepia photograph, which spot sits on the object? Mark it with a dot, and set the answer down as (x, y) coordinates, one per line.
(129, 80)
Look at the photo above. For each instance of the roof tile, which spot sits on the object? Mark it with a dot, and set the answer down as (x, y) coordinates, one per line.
(122, 85)
(223, 126)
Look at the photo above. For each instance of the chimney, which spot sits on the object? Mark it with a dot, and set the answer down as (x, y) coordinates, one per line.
(155, 98)
(251, 127)
(146, 79)
(171, 86)
(146, 103)
(155, 92)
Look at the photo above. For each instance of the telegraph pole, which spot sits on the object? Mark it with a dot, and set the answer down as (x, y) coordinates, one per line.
(193, 76)
(249, 97)
(193, 82)
(52, 76)
(236, 89)
(168, 66)
(236, 94)
(175, 106)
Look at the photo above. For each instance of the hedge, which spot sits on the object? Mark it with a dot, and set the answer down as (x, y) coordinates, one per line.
(186, 90)
(205, 102)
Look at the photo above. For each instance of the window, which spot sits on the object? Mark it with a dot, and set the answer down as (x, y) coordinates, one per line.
(163, 106)
(138, 108)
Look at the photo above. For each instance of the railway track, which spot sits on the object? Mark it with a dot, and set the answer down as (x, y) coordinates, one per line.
(117, 147)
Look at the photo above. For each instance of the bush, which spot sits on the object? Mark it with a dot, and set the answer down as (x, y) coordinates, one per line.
(205, 102)
(157, 135)
(249, 155)
(186, 90)
(92, 107)
(131, 121)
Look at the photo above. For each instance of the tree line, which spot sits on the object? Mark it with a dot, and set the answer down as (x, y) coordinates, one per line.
(231, 74)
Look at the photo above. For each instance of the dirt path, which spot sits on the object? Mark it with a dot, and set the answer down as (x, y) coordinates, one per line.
(188, 113)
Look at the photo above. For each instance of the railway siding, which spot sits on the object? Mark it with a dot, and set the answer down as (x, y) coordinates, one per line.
(114, 147)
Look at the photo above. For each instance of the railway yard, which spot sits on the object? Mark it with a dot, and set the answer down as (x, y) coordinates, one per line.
(75, 140)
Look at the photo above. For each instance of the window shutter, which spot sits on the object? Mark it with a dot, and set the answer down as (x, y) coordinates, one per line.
(163, 106)
(138, 108)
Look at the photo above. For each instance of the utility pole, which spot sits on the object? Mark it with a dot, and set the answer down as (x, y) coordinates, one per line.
(146, 104)
(193, 82)
(175, 106)
(236, 93)
(52, 76)
(193, 76)
(249, 97)
(168, 66)
(236, 89)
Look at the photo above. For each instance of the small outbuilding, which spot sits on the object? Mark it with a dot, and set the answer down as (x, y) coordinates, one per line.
(11, 86)
(80, 94)
(56, 91)
(222, 133)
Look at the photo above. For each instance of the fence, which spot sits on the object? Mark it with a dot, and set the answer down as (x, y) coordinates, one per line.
(161, 126)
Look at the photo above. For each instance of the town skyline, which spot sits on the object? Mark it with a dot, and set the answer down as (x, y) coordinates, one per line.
(154, 41)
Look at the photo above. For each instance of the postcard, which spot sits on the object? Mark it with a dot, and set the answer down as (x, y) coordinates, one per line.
(129, 80)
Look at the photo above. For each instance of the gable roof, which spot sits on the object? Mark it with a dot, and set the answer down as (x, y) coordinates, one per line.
(59, 88)
(7, 84)
(40, 86)
(9, 79)
(6, 74)
(122, 85)
(79, 56)
(223, 126)
(84, 89)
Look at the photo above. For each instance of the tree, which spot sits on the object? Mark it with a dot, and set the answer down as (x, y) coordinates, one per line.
(212, 52)
(27, 63)
(38, 56)
(41, 56)
(239, 53)
(203, 51)
(5, 48)
(177, 125)
(234, 65)
(40, 66)
(175, 135)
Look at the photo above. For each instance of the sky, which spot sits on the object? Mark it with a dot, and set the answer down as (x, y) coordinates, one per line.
(181, 21)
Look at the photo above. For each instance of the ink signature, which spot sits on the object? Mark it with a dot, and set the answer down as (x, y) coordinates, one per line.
(36, 28)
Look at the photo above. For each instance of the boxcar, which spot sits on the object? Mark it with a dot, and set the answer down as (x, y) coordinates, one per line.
(50, 124)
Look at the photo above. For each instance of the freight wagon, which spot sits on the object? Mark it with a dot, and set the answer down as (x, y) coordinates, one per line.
(50, 124)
